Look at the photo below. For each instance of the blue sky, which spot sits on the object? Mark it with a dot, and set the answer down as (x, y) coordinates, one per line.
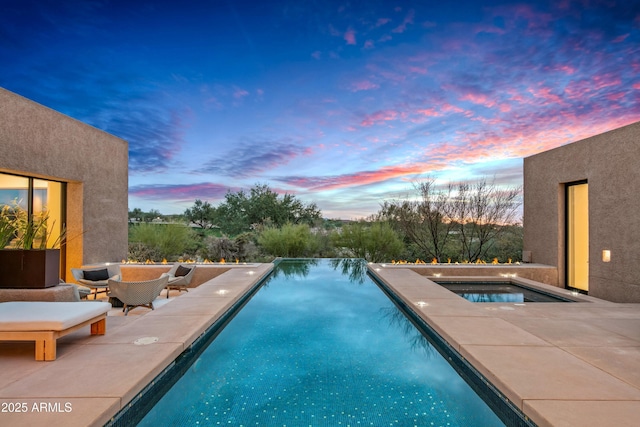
(341, 103)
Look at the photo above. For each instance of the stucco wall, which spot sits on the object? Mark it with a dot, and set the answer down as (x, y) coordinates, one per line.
(609, 162)
(37, 141)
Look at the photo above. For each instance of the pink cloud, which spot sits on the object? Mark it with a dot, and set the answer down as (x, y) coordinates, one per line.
(620, 39)
(616, 96)
(379, 117)
(181, 192)
(418, 70)
(240, 93)
(579, 88)
(316, 55)
(636, 86)
(545, 94)
(605, 80)
(350, 36)
(212, 101)
(567, 69)
(369, 44)
(518, 140)
(429, 112)
(516, 96)
(363, 85)
(479, 99)
(355, 179)
(448, 108)
(407, 20)
(382, 21)
(490, 29)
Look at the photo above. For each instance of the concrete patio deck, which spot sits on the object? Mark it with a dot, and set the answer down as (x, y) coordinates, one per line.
(95, 376)
(563, 364)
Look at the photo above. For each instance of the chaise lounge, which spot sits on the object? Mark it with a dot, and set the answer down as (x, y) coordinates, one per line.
(45, 322)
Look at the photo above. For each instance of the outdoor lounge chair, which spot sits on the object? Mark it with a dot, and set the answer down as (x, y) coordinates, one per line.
(96, 277)
(137, 294)
(45, 322)
(179, 277)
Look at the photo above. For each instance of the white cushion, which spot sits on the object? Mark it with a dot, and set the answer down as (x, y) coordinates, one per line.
(47, 316)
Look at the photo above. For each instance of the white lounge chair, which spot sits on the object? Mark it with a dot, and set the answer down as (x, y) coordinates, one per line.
(180, 277)
(45, 322)
(96, 277)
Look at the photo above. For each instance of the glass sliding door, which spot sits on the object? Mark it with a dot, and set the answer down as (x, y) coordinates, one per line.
(577, 239)
(47, 206)
(24, 199)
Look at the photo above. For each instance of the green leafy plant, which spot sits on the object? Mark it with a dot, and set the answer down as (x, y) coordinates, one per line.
(290, 241)
(7, 227)
(19, 231)
(164, 241)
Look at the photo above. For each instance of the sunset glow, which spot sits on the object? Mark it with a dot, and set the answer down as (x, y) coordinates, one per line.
(340, 103)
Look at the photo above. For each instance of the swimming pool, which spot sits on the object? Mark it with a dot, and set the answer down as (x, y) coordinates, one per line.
(320, 344)
(489, 291)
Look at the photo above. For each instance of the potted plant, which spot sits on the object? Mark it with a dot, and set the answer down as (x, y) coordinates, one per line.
(27, 260)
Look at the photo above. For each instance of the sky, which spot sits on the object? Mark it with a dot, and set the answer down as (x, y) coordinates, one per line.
(344, 104)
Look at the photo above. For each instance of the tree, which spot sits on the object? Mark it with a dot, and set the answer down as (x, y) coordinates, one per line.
(468, 216)
(261, 207)
(201, 214)
(135, 215)
(427, 221)
(482, 212)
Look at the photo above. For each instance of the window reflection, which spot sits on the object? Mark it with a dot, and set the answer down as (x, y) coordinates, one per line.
(40, 200)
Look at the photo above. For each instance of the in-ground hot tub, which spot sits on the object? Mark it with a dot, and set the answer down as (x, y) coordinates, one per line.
(487, 290)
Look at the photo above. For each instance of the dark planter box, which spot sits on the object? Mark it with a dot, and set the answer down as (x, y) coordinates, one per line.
(31, 269)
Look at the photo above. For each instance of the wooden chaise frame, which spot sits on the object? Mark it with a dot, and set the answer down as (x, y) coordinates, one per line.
(46, 340)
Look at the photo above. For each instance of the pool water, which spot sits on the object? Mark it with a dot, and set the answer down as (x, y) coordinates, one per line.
(500, 292)
(320, 345)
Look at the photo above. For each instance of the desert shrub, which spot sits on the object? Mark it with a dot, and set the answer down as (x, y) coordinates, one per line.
(140, 252)
(216, 248)
(290, 241)
(375, 242)
(323, 246)
(164, 241)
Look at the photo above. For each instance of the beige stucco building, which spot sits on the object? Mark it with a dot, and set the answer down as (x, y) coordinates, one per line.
(78, 173)
(582, 213)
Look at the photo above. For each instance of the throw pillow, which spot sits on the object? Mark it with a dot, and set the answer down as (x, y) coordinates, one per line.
(182, 271)
(95, 275)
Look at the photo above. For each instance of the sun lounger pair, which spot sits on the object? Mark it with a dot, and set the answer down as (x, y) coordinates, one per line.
(45, 322)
